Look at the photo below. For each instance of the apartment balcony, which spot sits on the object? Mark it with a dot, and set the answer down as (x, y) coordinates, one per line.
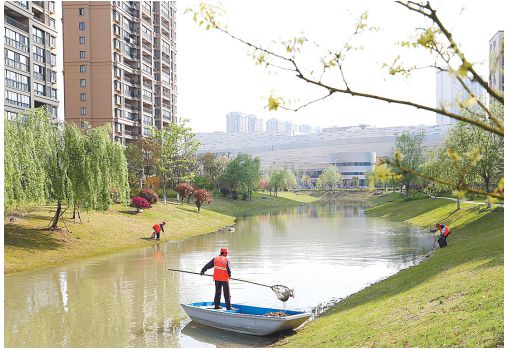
(147, 47)
(148, 110)
(147, 85)
(130, 133)
(15, 64)
(39, 76)
(15, 23)
(39, 4)
(131, 107)
(131, 80)
(22, 4)
(147, 60)
(166, 115)
(16, 44)
(147, 36)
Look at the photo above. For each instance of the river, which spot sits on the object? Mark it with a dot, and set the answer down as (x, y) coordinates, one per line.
(324, 251)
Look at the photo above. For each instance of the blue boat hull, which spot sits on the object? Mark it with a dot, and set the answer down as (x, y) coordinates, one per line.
(245, 319)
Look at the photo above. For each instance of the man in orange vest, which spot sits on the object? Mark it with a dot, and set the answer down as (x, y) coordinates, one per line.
(157, 228)
(221, 275)
(444, 232)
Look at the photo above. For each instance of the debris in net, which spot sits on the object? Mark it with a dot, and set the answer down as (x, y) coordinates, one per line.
(283, 292)
(277, 313)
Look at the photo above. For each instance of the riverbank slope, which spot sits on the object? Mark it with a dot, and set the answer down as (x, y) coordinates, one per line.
(28, 246)
(453, 299)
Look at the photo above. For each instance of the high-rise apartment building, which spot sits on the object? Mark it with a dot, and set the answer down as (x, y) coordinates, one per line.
(254, 123)
(274, 124)
(496, 61)
(120, 65)
(30, 56)
(240, 122)
(450, 93)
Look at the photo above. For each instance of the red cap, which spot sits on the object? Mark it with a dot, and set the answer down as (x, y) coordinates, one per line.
(224, 250)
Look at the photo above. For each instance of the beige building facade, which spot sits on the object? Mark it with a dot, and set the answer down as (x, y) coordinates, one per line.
(120, 65)
(30, 58)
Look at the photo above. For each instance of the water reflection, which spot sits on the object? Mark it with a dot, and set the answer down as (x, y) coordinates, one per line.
(130, 299)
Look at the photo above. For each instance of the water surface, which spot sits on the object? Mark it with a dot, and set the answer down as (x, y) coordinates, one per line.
(323, 251)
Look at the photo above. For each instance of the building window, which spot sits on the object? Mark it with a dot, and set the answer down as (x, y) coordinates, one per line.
(15, 60)
(81, 39)
(18, 100)
(38, 54)
(38, 72)
(83, 110)
(39, 89)
(82, 68)
(38, 35)
(81, 25)
(118, 72)
(82, 82)
(17, 81)
(81, 54)
(82, 97)
(82, 124)
(16, 40)
(81, 11)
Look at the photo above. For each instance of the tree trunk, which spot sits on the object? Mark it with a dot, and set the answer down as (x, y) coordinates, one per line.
(164, 191)
(54, 225)
(199, 208)
(458, 203)
(487, 189)
(407, 189)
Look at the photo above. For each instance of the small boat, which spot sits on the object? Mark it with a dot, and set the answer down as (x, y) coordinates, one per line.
(245, 319)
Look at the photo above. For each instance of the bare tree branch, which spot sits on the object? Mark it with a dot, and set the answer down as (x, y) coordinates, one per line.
(427, 11)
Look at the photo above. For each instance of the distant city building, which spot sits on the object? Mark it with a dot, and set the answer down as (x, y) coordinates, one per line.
(238, 122)
(120, 65)
(254, 124)
(450, 93)
(289, 128)
(496, 61)
(274, 124)
(30, 57)
(305, 129)
(352, 149)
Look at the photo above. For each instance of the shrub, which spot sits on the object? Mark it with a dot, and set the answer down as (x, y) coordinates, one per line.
(225, 191)
(245, 196)
(140, 203)
(234, 195)
(171, 193)
(149, 195)
(203, 182)
(201, 197)
(184, 190)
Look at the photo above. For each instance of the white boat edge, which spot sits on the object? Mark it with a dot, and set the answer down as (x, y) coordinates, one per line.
(245, 323)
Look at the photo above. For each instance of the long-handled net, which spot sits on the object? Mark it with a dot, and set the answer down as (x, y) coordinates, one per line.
(283, 293)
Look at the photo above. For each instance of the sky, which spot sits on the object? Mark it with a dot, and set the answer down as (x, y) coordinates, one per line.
(217, 75)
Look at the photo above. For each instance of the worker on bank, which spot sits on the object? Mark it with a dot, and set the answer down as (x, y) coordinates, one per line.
(442, 232)
(221, 276)
(157, 228)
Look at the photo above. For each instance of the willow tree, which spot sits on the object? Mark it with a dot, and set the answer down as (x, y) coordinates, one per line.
(47, 162)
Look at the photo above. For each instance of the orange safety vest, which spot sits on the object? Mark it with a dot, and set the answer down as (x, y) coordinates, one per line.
(157, 228)
(220, 269)
(446, 232)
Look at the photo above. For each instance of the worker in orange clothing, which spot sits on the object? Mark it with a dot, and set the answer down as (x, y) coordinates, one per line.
(221, 276)
(157, 228)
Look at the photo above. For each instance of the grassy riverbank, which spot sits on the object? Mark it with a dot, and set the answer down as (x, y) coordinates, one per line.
(29, 246)
(453, 299)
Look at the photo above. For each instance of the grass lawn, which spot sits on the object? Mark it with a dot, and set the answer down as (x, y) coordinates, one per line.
(28, 246)
(257, 204)
(453, 299)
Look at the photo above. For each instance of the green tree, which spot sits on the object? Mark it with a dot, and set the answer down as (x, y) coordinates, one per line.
(331, 177)
(281, 179)
(242, 173)
(174, 153)
(410, 148)
(458, 158)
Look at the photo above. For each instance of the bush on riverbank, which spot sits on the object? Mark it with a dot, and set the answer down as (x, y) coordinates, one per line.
(453, 299)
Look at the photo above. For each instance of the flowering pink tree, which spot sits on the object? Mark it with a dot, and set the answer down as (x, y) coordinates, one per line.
(263, 183)
(184, 190)
(150, 196)
(201, 197)
(140, 203)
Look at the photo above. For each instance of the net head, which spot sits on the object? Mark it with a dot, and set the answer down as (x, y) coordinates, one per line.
(283, 293)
